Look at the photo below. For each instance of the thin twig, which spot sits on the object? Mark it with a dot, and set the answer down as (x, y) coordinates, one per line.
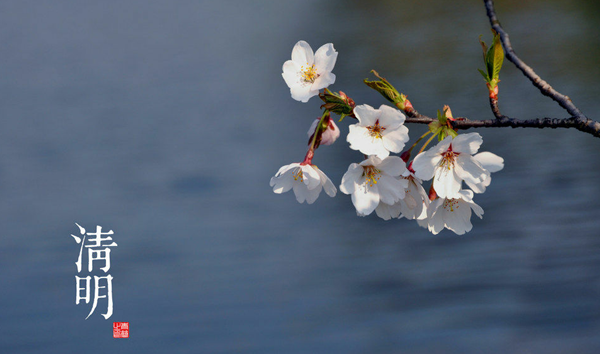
(547, 90)
(578, 119)
(495, 109)
(464, 123)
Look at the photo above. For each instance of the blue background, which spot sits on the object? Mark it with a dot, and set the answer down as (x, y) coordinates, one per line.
(164, 121)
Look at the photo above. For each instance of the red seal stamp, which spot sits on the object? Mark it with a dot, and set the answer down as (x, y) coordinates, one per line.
(121, 329)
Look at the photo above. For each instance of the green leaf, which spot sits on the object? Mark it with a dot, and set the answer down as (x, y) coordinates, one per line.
(498, 57)
(385, 89)
(485, 76)
(489, 62)
(442, 118)
(494, 58)
(434, 126)
(483, 46)
(441, 135)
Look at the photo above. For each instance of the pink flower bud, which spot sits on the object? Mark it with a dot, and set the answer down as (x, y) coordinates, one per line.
(329, 135)
(405, 156)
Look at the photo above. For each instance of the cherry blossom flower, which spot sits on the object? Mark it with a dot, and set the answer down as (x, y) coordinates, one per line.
(416, 200)
(491, 163)
(374, 181)
(412, 206)
(306, 180)
(329, 136)
(378, 131)
(453, 214)
(388, 212)
(451, 161)
(307, 73)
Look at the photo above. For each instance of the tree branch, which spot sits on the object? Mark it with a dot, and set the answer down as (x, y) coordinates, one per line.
(464, 123)
(578, 119)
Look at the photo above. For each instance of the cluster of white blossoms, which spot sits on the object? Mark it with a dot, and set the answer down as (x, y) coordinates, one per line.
(383, 183)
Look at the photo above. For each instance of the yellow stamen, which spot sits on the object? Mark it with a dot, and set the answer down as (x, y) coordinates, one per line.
(298, 174)
(448, 159)
(452, 204)
(376, 130)
(372, 175)
(309, 73)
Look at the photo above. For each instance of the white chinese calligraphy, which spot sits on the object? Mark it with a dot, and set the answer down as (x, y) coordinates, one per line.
(98, 250)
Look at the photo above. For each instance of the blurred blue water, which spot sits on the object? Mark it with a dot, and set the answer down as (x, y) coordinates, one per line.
(164, 122)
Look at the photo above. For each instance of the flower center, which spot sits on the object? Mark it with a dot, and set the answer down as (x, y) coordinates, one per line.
(309, 73)
(448, 159)
(376, 130)
(451, 204)
(372, 175)
(297, 174)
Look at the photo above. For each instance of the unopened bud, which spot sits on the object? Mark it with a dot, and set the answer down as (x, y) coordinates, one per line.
(448, 112)
(432, 193)
(328, 131)
(493, 91)
(405, 156)
(338, 103)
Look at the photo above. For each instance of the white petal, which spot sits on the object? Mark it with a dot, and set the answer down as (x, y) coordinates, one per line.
(323, 81)
(387, 212)
(360, 139)
(326, 183)
(313, 194)
(394, 140)
(424, 223)
(410, 201)
(285, 168)
(311, 177)
(490, 161)
(424, 164)
(435, 216)
(365, 199)
(356, 136)
(412, 204)
(376, 148)
(423, 215)
(442, 146)
(477, 209)
(469, 169)
(390, 189)
(466, 195)
(303, 54)
(351, 178)
(366, 114)
(302, 93)
(467, 143)
(291, 73)
(282, 183)
(391, 118)
(372, 160)
(283, 179)
(446, 183)
(481, 186)
(392, 165)
(301, 192)
(458, 219)
(325, 58)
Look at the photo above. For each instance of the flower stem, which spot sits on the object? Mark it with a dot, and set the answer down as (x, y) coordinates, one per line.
(426, 143)
(311, 150)
(421, 138)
